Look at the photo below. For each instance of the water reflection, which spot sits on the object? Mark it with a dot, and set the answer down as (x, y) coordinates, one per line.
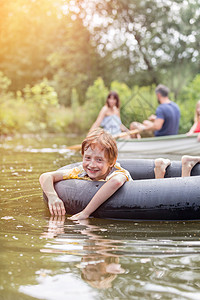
(55, 227)
(108, 259)
(98, 267)
(48, 258)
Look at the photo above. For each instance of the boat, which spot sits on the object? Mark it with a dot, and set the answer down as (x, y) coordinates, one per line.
(145, 198)
(172, 144)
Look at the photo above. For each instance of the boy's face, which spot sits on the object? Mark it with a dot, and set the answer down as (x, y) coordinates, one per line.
(95, 163)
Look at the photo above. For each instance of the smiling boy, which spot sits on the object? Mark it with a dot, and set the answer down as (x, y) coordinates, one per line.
(99, 151)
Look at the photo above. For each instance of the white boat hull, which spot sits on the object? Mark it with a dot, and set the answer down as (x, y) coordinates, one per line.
(174, 144)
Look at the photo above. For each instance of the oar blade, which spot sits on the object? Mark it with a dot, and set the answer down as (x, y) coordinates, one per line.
(75, 147)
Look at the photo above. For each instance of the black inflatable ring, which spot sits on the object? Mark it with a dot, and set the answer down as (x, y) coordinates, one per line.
(171, 198)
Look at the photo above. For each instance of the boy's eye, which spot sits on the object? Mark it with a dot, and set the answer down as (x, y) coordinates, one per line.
(99, 159)
(87, 157)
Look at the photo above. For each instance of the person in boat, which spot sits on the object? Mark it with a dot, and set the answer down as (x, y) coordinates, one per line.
(196, 126)
(188, 162)
(167, 117)
(99, 151)
(109, 116)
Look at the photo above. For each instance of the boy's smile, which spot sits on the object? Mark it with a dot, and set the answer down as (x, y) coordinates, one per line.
(95, 163)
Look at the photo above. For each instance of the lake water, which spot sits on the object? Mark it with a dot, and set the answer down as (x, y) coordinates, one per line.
(57, 259)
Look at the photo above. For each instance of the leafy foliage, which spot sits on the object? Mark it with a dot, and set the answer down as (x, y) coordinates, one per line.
(187, 102)
(95, 99)
(4, 83)
(74, 61)
(26, 40)
(84, 49)
(35, 109)
(144, 41)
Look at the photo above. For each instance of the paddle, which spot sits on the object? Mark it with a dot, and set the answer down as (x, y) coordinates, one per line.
(121, 135)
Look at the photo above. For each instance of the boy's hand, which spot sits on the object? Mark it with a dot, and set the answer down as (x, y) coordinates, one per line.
(56, 207)
(80, 216)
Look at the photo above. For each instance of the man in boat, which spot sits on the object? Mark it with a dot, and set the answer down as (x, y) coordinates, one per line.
(167, 117)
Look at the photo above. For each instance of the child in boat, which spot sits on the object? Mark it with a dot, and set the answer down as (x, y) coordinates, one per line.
(188, 162)
(99, 151)
(109, 116)
(196, 126)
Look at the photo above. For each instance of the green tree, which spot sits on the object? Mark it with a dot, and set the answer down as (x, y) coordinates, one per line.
(95, 99)
(27, 31)
(187, 101)
(44, 39)
(75, 61)
(149, 41)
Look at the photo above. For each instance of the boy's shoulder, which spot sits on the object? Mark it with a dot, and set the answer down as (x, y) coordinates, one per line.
(117, 169)
(74, 172)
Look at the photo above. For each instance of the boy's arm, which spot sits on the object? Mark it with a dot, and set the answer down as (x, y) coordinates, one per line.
(107, 190)
(56, 205)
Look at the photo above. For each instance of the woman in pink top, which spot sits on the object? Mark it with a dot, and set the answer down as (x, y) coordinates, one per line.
(196, 126)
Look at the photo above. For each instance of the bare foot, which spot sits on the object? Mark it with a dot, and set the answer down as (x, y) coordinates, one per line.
(188, 162)
(161, 165)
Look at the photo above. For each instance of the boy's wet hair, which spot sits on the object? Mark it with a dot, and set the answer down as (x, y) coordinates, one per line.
(103, 139)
